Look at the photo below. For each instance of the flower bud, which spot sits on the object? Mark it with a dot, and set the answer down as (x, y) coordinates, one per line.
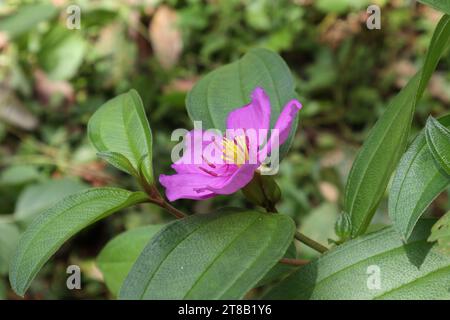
(343, 226)
(263, 191)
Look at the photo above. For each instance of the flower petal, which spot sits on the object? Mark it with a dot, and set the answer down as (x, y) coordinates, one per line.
(188, 185)
(239, 179)
(200, 150)
(283, 126)
(255, 115)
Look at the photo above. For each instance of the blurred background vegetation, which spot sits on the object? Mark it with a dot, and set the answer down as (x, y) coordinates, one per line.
(54, 78)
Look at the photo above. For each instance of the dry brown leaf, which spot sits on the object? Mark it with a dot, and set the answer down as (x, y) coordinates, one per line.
(438, 88)
(336, 30)
(14, 113)
(332, 158)
(329, 191)
(166, 37)
(3, 39)
(404, 70)
(180, 85)
(47, 87)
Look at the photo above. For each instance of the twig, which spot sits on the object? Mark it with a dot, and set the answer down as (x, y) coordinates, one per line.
(156, 198)
(177, 213)
(294, 262)
(310, 242)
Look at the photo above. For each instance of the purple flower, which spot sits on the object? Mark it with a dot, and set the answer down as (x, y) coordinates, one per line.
(213, 165)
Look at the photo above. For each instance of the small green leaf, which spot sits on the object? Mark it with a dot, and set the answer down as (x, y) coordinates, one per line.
(56, 225)
(62, 53)
(9, 236)
(417, 182)
(118, 161)
(229, 87)
(36, 198)
(216, 256)
(438, 141)
(375, 266)
(121, 127)
(383, 148)
(441, 233)
(19, 175)
(441, 5)
(26, 18)
(119, 255)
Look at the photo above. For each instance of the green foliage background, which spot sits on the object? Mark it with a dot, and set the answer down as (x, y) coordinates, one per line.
(53, 79)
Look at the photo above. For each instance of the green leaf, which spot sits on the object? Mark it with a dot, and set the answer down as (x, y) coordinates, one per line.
(119, 255)
(331, 6)
(52, 228)
(441, 233)
(118, 161)
(417, 182)
(216, 256)
(62, 53)
(26, 18)
(438, 141)
(18, 175)
(387, 141)
(414, 270)
(441, 5)
(280, 270)
(121, 127)
(229, 87)
(36, 198)
(439, 43)
(9, 236)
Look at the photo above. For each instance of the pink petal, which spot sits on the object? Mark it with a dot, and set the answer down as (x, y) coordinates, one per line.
(283, 125)
(255, 115)
(188, 185)
(200, 151)
(239, 179)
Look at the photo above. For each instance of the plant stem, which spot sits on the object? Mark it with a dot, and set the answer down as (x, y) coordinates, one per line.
(301, 237)
(177, 213)
(310, 242)
(294, 262)
(156, 198)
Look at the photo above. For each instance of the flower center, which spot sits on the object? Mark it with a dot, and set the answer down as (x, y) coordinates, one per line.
(235, 151)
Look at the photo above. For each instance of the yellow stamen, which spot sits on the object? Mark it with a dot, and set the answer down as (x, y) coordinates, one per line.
(235, 151)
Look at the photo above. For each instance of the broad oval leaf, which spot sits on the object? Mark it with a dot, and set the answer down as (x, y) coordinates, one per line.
(52, 228)
(441, 233)
(382, 150)
(37, 198)
(441, 5)
(417, 182)
(229, 87)
(375, 266)
(120, 126)
(438, 141)
(216, 256)
(119, 255)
